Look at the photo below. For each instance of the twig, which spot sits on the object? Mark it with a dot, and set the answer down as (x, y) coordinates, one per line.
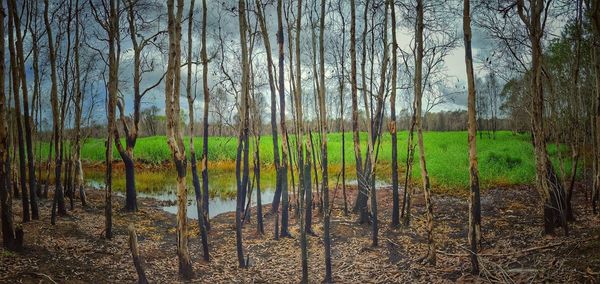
(39, 274)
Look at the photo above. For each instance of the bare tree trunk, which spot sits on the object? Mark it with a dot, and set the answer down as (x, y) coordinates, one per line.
(36, 100)
(359, 206)
(58, 191)
(27, 118)
(63, 105)
(8, 233)
(393, 128)
(205, 117)
(594, 8)
(15, 79)
(276, 161)
(302, 147)
(551, 191)
(175, 134)
(78, 112)
(342, 85)
(474, 202)
(430, 257)
(243, 134)
(113, 88)
(283, 173)
(194, 167)
(374, 133)
(324, 131)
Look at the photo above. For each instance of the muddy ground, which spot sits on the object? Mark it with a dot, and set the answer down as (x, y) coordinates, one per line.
(513, 246)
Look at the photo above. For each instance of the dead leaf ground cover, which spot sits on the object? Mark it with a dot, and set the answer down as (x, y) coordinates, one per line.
(513, 246)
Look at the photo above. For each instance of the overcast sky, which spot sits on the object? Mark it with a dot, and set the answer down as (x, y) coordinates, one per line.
(453, 65)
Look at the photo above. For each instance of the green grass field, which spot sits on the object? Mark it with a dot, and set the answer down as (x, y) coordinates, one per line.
(507, 160)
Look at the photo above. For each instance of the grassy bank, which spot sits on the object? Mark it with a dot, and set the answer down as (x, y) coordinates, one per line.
(506, 160)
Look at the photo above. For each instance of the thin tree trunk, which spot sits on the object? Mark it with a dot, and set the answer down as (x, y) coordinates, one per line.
(194, 167)
(58, 192)
(205, 192)
(78, 110)
(360, 206)
(274, 134)
(324, 162)
(175, 134)
(283, 171)
(393, 127)
(242, 152)
(64, 102)
(595, 16)
(113, 86)
(430, 257)
(15, 79)
(27, 118)
(6, 216)
(302, 147)
(474, 199)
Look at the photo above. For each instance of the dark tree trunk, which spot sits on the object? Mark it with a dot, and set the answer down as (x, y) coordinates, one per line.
(17, 112)
(276, 162)
(393, 128)
(130, 193)
(361, 175)
(26, 116)
(259, 218)
(205, 195)
(324, 162)
(6, 216)
(203, 216)
(283, 170)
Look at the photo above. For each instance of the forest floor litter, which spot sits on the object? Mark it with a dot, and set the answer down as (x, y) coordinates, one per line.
(514, 248)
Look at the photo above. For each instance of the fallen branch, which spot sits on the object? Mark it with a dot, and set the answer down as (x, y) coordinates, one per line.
(39, 274)
(135, 253)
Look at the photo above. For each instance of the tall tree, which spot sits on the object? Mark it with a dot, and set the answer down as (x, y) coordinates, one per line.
(205, 117)
(418, 89)
(362, 195)
(112, 28)
(283, 171)
(136, 17)
(58, 190)
(594, 11)
(302, 149)
(64, 102)
(474, 200)
(15, 79)
(78, 112)
(26, 115)
(393, 128)
(242, 153)
(6, 217)
(534, 17)
(175, 133)
(272, 88)
(324, 131)
(191, 99)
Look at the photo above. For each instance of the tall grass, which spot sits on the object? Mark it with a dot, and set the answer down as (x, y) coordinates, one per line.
(506, 160)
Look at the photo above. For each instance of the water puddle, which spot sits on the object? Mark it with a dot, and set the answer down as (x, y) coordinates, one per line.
(161, 185)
